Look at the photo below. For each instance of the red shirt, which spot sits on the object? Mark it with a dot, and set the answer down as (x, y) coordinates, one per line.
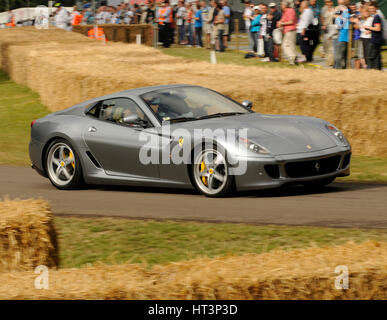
(288, 15)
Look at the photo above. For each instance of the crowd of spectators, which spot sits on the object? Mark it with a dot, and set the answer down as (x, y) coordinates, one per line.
(359, 27)
(273, 30)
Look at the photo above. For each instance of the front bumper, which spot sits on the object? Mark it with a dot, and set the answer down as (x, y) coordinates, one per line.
(272, 172)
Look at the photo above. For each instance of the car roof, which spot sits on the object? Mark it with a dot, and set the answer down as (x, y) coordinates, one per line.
(131, 93)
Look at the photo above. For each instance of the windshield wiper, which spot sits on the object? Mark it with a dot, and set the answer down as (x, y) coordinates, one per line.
(182, 119)
(220, 114)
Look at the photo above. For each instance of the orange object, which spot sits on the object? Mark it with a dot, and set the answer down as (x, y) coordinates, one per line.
(77, 19)
(12, 23)
(100, 34)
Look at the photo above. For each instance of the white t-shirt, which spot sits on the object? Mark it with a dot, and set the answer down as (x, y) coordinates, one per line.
(180, 15)
(365, 23)
(246, 14)
(128, 17)
(306, 19)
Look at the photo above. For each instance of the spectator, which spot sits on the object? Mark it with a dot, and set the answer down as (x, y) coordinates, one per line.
(288, 23)
(305, 34)
(377, 40)
(205, 11)
(198, 26)
(137, 13)
(180, 21)
(151, 13)
(255, 27)
(329, 30)
(269, 43)
(342, 24)
(247, 14)
(357, 45)
(227, 20)
(276, 17)
(219, 23)
(128, 15)
(365, 35)
(315, 28)
(210, 23)
(262, 32)
(165, 19)
(62, 18)
(189, 20)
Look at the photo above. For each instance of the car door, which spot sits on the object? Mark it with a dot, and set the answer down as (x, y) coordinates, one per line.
(116, 145)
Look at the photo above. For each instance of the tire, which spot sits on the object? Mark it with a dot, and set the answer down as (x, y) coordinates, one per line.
(63, 166)
(319, 183)
(209, 173)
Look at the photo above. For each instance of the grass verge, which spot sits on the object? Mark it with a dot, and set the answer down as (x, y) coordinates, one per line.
(18, 107)
(84, 241)
(228, 57)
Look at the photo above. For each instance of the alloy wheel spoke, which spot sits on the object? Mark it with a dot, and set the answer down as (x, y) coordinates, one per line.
(218, 161)
(66, 173)
(210, 182)
(58, 171)
(218, 176)
(61, 152)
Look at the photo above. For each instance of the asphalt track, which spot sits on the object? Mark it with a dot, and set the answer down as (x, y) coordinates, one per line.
(337, 205)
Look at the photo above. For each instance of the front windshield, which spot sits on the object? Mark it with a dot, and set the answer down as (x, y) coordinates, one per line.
(190, 103)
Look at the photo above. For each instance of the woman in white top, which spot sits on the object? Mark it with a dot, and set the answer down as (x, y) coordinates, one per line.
(365, 35)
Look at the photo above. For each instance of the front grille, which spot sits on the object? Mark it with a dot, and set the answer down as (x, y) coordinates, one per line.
(346, 160)
(311, 168)
(272, 170)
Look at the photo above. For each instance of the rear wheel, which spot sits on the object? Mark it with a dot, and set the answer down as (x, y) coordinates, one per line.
(63, 166)
(210, 173)
(319, 183)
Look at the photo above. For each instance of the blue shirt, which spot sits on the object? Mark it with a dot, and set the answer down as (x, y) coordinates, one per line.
(198, 23)
(256, 24)
(227, 12)
(316, 11)
(342, 24)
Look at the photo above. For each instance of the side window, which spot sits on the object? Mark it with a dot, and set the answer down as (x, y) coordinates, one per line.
(93, 111)
(116, 110)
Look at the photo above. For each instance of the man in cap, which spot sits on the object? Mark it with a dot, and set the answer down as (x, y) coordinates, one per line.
(62, 18)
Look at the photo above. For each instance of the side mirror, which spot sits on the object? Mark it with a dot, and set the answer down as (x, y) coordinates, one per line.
(134, 120)
(247, 104)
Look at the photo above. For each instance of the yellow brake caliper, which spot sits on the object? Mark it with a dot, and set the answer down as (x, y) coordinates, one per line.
(202, 168)
(71, 157)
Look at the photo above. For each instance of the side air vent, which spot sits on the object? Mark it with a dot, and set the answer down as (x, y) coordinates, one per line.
(272, 170)
(93, 160)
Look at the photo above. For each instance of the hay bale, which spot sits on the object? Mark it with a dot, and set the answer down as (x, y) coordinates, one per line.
(88, 69)
(297, 274)
(121, 33)
(27, 235)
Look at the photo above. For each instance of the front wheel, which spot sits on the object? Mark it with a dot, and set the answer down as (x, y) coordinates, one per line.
(319, 183)
(210, 173)
(63, 166)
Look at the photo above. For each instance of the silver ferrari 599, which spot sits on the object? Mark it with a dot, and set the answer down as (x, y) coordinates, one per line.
(184, 136)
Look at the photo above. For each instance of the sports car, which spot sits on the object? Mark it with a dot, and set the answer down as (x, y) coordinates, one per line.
(184, 136)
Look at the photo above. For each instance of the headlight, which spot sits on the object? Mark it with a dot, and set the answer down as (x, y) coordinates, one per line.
(337, 133)
(253, 147)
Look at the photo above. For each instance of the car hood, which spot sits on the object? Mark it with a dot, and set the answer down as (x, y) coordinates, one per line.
(279, 134)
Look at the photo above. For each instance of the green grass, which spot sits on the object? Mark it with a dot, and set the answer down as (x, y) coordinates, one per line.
(18, 107)
(84, 241)
(365, 168)
(228, 57)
